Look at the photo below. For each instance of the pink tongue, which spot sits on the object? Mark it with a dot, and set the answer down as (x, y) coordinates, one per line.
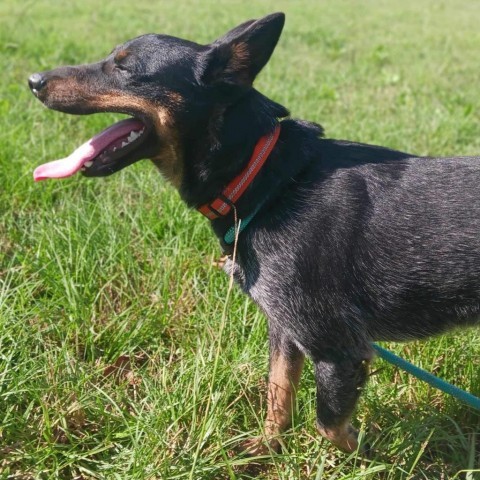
(88, 151)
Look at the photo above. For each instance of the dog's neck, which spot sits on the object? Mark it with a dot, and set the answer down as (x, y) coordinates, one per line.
(222, 148)
(229, 147)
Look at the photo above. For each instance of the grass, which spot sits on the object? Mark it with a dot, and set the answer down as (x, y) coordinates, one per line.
(120, 355)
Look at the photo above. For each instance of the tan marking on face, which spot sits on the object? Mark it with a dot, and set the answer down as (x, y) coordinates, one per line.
(68, 92)
(283, 382)
(169, 159)
(119, 56)
(170, 165)
(118, 102)
(63, 92)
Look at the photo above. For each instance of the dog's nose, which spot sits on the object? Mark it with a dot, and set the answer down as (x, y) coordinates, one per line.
(36, 82)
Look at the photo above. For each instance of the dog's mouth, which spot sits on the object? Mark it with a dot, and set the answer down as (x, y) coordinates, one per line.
(114, 148)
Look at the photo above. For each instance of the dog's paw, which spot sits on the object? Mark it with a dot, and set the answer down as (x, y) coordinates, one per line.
(259, 446)
(359, 444)
(345, 438)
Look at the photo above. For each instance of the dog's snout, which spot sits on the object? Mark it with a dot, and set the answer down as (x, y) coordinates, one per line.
(36, 82)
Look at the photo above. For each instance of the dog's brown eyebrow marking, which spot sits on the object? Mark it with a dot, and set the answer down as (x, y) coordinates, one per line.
(122, 54)
(169, 159)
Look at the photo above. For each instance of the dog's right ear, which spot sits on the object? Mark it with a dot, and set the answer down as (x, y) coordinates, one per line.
(239, 55)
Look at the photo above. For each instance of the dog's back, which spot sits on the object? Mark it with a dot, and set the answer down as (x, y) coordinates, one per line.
(378, 243)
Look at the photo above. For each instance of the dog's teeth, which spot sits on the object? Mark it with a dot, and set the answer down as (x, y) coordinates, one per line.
(114, 149)
(88, 164)
(124, 144)
(82, 169)
(133, 136)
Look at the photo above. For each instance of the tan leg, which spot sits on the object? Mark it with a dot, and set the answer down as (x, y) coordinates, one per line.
(286, 364)
(344, 437)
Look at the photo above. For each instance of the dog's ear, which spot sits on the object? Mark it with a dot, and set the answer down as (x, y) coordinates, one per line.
(241, 53)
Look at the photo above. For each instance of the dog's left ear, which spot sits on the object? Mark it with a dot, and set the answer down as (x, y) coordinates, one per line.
(240, 54)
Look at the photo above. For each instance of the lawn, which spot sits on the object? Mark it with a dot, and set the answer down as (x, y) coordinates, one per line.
(123, 355)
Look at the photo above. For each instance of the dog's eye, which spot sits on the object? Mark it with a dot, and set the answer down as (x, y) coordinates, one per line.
(121, 67)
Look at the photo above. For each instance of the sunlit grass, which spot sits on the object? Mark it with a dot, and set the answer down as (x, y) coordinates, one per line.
(116, 357)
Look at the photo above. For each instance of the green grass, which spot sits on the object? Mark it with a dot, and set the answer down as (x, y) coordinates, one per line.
(117, 272)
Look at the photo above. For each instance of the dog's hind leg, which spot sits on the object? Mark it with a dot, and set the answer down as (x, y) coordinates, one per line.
(286, 364)
(340, 377)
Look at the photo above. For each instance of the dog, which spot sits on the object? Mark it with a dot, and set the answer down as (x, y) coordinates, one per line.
(339, 243)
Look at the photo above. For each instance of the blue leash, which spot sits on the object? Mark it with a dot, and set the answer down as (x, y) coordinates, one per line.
(432, 380)
(229, 237)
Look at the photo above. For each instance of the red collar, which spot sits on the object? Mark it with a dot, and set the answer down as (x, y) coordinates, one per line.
(222, 205)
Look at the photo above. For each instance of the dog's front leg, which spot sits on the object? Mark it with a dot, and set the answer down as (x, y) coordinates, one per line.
(340, 375)
(286, 364)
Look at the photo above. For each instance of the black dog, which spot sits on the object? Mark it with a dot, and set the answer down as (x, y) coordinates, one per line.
(339, 243)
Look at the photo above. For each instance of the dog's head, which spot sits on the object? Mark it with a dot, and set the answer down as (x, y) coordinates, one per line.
(170, 87)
